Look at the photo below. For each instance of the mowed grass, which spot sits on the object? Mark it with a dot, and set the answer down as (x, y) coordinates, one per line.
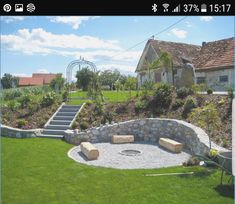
(39, 171)
(79, 97)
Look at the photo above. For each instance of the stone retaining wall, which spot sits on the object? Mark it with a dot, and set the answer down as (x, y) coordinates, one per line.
(194, 139)
(18, 133)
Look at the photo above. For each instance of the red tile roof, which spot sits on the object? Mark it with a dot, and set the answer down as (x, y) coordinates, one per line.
(212, 55)
(47, 78)
(30, 81)
(178, 51)
(217, 54)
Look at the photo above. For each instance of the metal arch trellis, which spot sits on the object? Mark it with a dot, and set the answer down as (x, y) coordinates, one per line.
(72, 64)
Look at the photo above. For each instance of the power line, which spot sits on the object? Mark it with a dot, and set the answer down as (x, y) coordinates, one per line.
(158, 33)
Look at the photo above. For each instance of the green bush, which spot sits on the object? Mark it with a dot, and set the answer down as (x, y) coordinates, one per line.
(140, 106)
(74, 125)
(48, 99)
(65, 95)
(21, 123)
(13, 105)
(108, 116)
(230, 92)
(24, 100)
(84, 125)
(33, 106)
(189, 104)
(177, 104)
(199, 88)
(209, 91)
(163, 95)
(184, 92)
(89, 102)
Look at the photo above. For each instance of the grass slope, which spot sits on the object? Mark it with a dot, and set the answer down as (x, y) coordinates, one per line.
(39, 171)
(110, 96)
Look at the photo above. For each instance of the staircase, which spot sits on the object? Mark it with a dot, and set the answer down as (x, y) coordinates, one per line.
(60, 121)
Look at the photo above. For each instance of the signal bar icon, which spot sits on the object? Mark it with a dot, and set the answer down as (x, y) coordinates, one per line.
(176, 9)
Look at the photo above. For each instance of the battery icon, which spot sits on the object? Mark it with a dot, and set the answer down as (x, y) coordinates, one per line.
(203, 8)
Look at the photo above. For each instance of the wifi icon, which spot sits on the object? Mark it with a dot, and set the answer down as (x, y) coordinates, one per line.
(165, 6)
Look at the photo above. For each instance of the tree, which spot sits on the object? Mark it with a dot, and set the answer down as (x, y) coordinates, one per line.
(164, 61)
(206, 117)
(131, 84)
(57, 83)
(84, 77)
(9, 81)
(109, 77)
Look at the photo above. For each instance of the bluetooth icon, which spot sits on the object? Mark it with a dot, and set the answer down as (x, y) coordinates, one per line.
(154, 7)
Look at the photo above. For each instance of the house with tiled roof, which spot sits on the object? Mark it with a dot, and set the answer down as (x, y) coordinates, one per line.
(37, 79)
(212, 63)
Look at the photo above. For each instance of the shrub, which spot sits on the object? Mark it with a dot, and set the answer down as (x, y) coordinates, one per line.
(140, 106)
(33, 106)
(99, 107)
(177, 104)
(121, 108)
(184, 92)
(108, 116)
(84, 125)
(74, 125)
(65, 95)
(13, 105)
(199, 87)
(48, 99)
(163, 95)
(21, 123)
(24, 100)
(189, 104)
(221, 102)
(209, 91)
(192, 161)
(230, 92)
(89, 102)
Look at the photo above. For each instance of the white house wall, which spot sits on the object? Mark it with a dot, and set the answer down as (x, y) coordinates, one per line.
(212, 78)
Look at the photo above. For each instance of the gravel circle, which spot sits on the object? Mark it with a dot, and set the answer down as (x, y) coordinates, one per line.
(151, 156)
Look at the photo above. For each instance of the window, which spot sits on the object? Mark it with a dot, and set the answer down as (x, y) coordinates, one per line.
(223, 78)
(201, 80)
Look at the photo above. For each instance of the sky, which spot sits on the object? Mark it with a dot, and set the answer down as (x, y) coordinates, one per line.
(45, 44)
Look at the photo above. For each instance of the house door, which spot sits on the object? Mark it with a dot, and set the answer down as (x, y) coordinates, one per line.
(158, 77)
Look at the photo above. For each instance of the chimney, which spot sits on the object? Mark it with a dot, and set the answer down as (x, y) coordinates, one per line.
(152, 37)
(203, 43)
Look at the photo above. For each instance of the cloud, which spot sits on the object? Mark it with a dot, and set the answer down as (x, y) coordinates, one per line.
(206, 18)
(179, 33)
(20, 75)
(43, 71)
(10, 19)
(39, 41)
(74, 21)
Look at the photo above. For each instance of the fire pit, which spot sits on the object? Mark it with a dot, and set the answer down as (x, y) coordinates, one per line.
(130, 152)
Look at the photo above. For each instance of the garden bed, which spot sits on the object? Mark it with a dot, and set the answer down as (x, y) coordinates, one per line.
(123, 111)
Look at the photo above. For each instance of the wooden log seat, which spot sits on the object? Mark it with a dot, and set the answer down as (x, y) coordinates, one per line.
(171, 145)
(120, 139)
(89, 150)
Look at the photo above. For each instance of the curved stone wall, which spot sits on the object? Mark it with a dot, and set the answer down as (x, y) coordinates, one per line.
(194, 139)
(6, 131)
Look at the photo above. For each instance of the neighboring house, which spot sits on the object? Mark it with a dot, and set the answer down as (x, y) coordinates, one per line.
(37, 79)
(30, 81)
(213, 63)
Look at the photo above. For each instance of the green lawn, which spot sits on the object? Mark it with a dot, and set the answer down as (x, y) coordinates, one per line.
(39, 171)
(111, 96)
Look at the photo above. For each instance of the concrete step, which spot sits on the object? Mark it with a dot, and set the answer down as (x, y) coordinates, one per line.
(51, 136)
(63, 118)
(70, 106)
(57, 127)
(69, 110)
(60, 122)
(65, 114)
(52, 132)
